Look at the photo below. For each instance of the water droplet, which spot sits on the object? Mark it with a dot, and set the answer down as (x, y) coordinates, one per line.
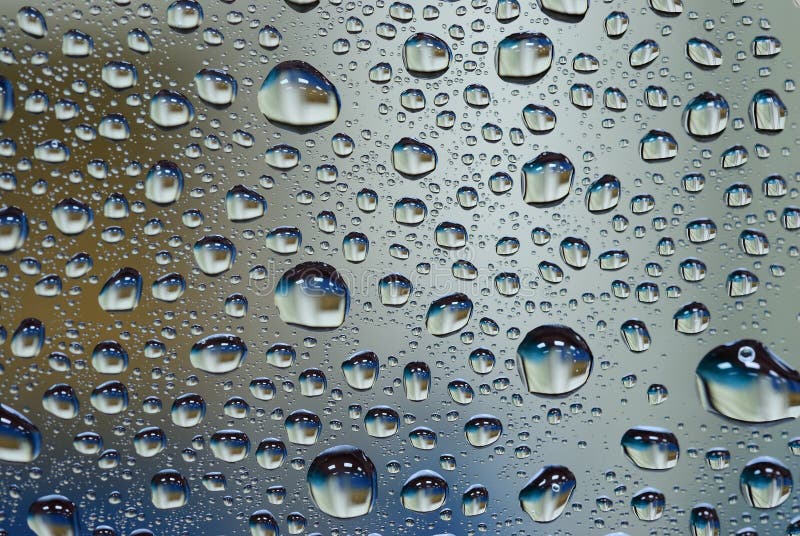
(745, 381)
(296, 94)
(547, 493)
(547, 179)
(426, 55)
(706, 114)
(448, 314)
(413, 158)
(312, 295)
(523, 56)
(343, 482)
(554, 360)
(219, 353)
(650, 447)
(424, 491)
(20, 439)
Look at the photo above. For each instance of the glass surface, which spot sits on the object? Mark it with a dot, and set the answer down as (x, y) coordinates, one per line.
(375, 268)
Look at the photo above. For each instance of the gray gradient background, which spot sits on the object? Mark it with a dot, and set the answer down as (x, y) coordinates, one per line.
(588, 445)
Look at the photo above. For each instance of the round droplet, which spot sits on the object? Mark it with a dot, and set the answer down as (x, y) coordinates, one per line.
(425, 55)
(424, 491)
(296, 94)
(343, 482)
(554, 360)
(312, 295)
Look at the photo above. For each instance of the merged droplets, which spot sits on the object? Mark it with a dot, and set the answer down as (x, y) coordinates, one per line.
(343, 482)
(296, 94)
(544, 498)
(313, 295)
(745, 381)
(554, 360)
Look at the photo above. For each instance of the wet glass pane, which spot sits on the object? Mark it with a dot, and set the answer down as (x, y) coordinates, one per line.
(379, 268)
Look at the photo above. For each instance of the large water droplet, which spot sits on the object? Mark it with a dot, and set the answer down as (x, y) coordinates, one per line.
(554, 360)
(765, 482)
(413, 158)
(448, 314)
(547, 493)
(547, 179)
(218, 353)
(523, 56)
(296, 94)
(313, 295)
(426, 55)
(168, 490)
(706, 114)
(343, 482)
(424, 491)
(20, 439)
(744, 380)
(650, 447)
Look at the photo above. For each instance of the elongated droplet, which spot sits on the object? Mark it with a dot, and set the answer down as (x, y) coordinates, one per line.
(651, 448)
(448, 314)
(744, 380)
(547, 493)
